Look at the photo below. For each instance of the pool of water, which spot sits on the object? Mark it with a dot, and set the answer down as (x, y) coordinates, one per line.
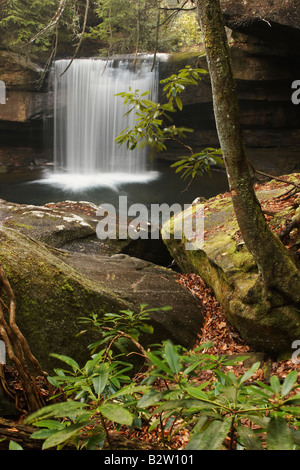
(39, 187)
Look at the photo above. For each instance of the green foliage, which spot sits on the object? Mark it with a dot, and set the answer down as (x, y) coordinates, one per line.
(151, 118)
(248, 414)
(132, 25)
(198, 163)
(223, 406)
(122, 26)
(99, 392)
(115, 327)
(184, 31)
(21, 20)
(176, 83)
(117, 26)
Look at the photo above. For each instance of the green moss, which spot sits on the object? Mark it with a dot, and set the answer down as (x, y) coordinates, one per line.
(183, 56)
(50, 297)
(14, 224)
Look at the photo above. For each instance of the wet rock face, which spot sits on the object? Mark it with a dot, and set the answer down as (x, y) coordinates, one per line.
(268, 20)
(263, 35)
(18, 72)
(24, 98)
(264, 75)
(25, 102)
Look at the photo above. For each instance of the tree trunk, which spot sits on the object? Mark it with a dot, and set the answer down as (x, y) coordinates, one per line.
(279, 271)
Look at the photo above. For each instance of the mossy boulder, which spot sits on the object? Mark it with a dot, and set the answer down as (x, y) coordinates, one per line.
(226, 265)
(55, 287)
(50, 297)
(52, 224)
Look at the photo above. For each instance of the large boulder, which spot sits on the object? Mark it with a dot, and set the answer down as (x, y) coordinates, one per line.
(54, 286)
(226, 265)
(50, 224)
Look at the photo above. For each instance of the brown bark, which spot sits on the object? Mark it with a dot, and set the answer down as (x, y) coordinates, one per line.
(12, 431)
(275, 264)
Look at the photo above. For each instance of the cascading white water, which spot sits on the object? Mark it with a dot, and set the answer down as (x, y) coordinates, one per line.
(88, 116)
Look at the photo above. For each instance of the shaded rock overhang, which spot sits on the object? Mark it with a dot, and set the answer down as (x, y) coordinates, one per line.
(275, 22)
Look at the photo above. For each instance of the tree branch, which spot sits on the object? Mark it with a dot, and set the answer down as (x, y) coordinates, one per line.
(87, 4)
(54, 20)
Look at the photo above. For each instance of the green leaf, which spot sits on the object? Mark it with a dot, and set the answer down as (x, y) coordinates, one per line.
(249, 372)
(254, 390)
(275, 383)
(179, 103)
(63, 436)
(92, 362)
(186, 404)
(166, 308)
(116, 413)
(296, 437)
(249, 439)
(96, 441)
(172, 357)
(150, 398)
(58, 410)
(147, 328)
(289, 382)
(211, 438)
(100, 381)
(130, 390)
(197, 392)
(14, 446)
(279, 436)
(50, 424)
(294, 400)
(68, 360)
(44, 433)
(158, 363)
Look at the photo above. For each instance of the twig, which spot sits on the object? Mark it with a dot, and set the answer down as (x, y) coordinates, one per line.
(277, 178)
(156, 35)
(49, 61)
(175, 11)
(137, 33)
(124, 335)
(54, 20)
(87, 4)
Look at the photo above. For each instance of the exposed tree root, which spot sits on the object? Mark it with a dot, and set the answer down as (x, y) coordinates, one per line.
(17, 348)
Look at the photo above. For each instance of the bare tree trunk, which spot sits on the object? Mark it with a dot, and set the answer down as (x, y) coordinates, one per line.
(278, 269)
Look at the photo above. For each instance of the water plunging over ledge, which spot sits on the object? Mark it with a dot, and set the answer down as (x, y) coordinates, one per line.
(88, 116)
(89, 166)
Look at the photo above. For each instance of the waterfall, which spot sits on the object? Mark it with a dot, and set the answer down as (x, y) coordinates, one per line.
(88, 116)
